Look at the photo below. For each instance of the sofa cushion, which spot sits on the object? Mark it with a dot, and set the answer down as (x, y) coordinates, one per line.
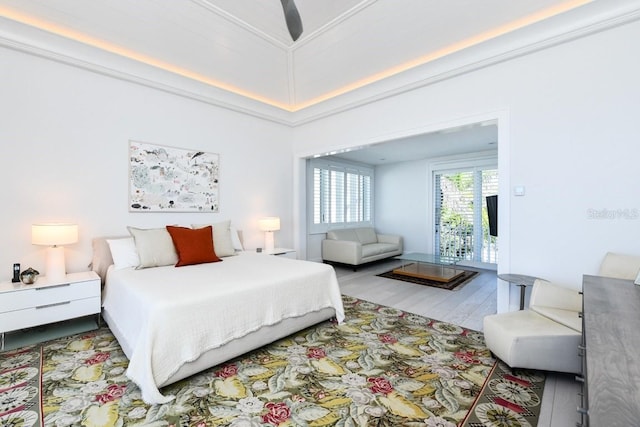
(366, 235)
(348, 234)
(374, 249)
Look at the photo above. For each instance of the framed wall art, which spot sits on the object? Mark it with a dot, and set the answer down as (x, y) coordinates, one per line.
(169, 179)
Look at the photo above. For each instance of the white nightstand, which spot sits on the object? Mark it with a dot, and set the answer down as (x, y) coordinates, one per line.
(283, 252)
(47, 301)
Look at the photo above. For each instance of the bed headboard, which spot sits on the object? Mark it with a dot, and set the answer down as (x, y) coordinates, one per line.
(102, 259)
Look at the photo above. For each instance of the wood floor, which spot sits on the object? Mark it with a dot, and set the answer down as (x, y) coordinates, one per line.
(465, 307)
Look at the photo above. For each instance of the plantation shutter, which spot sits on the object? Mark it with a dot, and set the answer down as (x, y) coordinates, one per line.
(367, 196)
(321, 195)
(341, 195)
(456, 222)
(337, 196)
(461, 221)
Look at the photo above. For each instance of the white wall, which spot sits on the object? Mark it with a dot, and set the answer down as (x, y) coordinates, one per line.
(568, 133)
(401, 203)
(404, 198)
(64, 144)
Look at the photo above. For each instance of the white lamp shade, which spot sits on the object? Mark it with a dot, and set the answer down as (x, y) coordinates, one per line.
(54, 234)
(269, 224)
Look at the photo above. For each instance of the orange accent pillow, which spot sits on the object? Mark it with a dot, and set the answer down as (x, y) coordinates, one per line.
(193, 246)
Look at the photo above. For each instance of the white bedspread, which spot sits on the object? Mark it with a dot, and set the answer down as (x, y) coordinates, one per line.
(171, 315)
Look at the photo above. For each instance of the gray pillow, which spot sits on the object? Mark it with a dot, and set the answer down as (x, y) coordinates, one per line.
(155, 247)
(222, 243)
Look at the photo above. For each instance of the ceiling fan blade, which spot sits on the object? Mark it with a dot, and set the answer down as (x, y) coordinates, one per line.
(291, 15)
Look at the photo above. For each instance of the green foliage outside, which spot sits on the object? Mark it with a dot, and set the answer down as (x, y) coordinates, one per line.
(456, 230)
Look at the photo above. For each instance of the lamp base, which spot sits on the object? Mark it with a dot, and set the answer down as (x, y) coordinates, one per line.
(54, 263)
(268, 241)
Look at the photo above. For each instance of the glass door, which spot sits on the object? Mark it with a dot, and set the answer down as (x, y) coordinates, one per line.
(461, 216)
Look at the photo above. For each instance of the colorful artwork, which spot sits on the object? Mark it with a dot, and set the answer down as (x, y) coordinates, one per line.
(168, 179)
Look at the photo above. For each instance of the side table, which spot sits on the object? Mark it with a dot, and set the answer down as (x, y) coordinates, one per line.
(521, 280)
(283, 252)
(48, 301)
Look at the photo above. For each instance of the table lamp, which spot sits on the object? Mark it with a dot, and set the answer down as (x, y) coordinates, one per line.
(54, 236)
(269, 225)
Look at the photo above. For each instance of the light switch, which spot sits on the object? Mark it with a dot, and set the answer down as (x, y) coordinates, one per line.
(518, 190)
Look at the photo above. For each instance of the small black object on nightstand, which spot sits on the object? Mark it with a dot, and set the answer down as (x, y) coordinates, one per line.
(16, 273)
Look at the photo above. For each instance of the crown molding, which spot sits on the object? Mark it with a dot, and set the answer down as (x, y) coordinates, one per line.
(31, 41)
(514, 45)
(581, 22)
(305, 39)
(243, 24)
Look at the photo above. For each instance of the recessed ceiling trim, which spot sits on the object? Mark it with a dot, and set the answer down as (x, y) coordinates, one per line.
(130, 54)
(305, 39)
(292, 77)
(448, 50)
(277, 112)
(199, 93)
(229, 17)
(369, 94)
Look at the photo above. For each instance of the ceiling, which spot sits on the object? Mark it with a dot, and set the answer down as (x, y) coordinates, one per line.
(471, 138)
(238, 54)
(239, 51)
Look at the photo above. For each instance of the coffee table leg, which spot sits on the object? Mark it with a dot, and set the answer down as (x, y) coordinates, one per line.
(522, 291)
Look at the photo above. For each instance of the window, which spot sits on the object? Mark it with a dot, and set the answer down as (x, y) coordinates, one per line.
(342, 194)
(461, 220)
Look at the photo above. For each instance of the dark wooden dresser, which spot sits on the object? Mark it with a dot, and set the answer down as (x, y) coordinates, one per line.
(611, 340)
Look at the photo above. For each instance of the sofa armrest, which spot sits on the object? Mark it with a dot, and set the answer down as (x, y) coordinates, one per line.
(343, 251)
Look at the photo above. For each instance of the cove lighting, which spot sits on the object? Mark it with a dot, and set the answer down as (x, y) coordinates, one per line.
(293, 107)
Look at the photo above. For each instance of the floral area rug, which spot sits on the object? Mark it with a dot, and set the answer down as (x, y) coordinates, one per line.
(381, 367)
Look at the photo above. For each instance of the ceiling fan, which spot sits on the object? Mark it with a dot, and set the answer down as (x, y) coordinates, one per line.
(292, 17)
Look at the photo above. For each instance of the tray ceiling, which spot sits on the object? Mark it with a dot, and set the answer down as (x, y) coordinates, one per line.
(242, 47)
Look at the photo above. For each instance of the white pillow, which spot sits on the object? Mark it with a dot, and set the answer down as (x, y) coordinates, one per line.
(235, 239)
(222, 243)
(154, 246)
(123, 252)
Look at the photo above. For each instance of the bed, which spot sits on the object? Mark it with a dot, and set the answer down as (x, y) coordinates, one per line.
(173, 322)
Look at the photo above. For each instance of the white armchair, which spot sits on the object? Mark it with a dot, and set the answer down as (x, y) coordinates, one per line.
(620, 266)
(546, 336)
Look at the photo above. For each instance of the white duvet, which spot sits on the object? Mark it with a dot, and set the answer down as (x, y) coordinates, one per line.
(171, 315)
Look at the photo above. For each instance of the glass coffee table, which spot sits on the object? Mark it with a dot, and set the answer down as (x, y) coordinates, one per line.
(440, 268)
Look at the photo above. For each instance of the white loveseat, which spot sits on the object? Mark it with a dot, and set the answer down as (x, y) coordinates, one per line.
(356, 246)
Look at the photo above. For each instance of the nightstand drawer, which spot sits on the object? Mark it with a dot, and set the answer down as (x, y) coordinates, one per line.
(49, 312)
(28, 298)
